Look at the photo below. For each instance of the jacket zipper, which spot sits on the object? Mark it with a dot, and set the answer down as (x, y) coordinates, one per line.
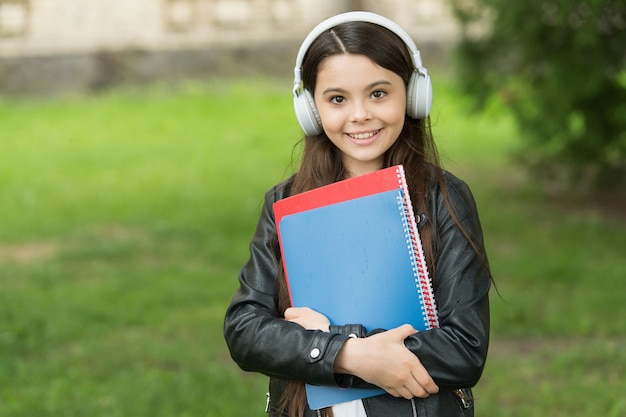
(466, 401)
(413, 407)
(267, 403)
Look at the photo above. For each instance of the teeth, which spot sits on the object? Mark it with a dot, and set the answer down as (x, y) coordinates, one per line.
(363, 135)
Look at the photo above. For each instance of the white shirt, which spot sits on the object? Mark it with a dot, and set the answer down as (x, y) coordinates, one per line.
(349, 409)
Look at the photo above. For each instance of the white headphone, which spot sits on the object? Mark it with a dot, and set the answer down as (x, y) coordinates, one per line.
(419, 88)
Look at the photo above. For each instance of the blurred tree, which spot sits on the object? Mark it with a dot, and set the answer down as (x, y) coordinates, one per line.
(560, 65)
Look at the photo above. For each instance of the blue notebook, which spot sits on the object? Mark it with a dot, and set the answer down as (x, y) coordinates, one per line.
(351, 251)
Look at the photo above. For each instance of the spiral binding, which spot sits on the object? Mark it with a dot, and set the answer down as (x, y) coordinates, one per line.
(416, 253)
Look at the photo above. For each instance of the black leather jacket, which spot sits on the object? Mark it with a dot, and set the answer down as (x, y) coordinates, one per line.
(260, 340)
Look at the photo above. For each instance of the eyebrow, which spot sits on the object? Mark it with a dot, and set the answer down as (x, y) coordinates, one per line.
(367, 87)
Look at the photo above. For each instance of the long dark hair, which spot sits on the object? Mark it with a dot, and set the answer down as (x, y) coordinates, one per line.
(322, 164)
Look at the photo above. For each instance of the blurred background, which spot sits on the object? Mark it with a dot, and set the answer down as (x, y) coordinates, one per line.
(137, 139)
(57, 46)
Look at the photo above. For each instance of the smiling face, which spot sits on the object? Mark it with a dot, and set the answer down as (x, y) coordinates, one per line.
(362, 107)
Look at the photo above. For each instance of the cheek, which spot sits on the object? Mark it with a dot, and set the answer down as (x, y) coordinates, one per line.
(330, 119)
(395, 114)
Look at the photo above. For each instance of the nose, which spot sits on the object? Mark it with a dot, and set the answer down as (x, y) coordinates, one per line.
(360, 111)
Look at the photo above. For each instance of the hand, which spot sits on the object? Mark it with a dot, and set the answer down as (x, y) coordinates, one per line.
(307, 318)
(384, 360)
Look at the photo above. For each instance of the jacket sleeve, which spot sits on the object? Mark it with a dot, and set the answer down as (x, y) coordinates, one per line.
(455, 353)
(259, 339)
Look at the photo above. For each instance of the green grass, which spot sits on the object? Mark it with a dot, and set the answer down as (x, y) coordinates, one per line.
(126, 216)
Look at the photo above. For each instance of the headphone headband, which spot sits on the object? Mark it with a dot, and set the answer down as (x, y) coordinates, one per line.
(354, 17)
(418, 89)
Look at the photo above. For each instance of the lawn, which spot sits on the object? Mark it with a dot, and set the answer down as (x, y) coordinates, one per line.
(126, 216)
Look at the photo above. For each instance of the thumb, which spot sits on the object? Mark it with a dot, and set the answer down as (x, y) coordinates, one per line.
(405, 331)
(290, 313)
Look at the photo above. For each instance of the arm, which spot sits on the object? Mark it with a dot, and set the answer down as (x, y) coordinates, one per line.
(382, 359)
(260, 339)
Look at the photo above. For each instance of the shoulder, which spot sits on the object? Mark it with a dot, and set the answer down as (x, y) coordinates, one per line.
(279, 191)
(456, 187)
(448, 190)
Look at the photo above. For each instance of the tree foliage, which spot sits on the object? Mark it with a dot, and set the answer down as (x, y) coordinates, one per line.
(561, 67)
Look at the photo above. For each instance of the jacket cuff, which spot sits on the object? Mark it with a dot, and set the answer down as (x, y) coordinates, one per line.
(350, 330)
(322, 352)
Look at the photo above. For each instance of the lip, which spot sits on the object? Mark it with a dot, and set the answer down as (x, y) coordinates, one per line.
(364, 141)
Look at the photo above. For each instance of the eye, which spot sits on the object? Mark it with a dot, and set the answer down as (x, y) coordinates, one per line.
(378, 94)
(337, 99)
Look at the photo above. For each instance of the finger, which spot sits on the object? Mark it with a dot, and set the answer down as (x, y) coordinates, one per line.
(412, 388)
(417, 391)
(401, 392)
(426, 384)
(393, 392)
(431, 387)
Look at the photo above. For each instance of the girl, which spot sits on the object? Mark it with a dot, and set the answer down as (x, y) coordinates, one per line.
(363, 105)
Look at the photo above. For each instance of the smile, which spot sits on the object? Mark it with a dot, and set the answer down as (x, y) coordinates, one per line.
(364, 135)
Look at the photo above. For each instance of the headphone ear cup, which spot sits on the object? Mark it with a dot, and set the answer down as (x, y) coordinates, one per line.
(306, 113)
(419, 95)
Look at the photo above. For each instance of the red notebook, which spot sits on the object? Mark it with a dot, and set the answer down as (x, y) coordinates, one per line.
(351, 250)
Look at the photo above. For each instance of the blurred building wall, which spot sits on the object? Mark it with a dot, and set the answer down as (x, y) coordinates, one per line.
(60, 45)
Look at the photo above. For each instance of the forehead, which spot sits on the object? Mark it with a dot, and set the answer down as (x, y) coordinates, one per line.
(351, 70)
